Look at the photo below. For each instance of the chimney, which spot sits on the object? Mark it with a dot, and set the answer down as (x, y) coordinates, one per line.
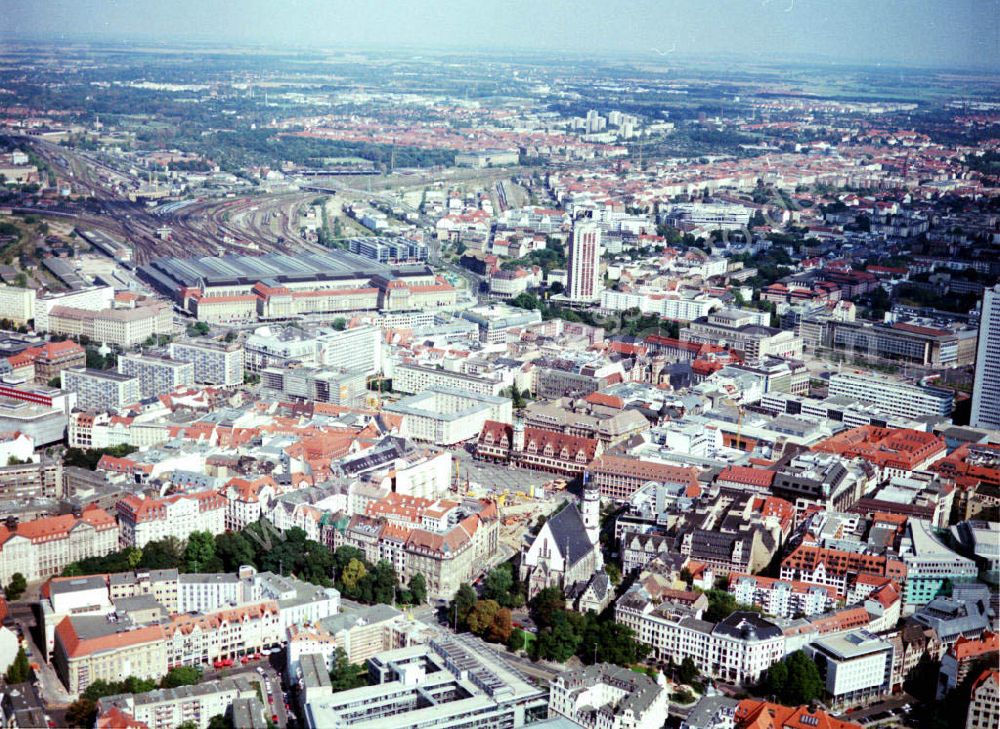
(11, 523)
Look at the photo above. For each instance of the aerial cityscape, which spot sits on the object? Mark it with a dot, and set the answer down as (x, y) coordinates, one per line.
(552, 365)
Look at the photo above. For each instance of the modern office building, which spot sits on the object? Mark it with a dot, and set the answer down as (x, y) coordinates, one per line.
(101, 390)
(338, 387)
(358, 349)
(156, 375)
(445, 416)
(900, 342)
(388, 250)
(453, 682)
(215, 362)
(931, 566)
(986, 391)
(900, 399)
(584, 261)
(857, 666)
(495, 320)
(741, 330)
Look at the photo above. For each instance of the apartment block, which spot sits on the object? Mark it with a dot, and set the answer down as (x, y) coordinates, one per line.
(984, 706)
(169, 708)
(101, 390)
(156, 375)
(215, 363)
(782, 598)
(446, 553)
(17, 304)
(412, 378)
(32, 480)
(144, 520)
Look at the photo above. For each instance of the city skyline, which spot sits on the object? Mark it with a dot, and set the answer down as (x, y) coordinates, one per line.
(904, 34)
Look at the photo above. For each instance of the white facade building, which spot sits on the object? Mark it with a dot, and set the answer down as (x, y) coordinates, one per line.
(100, 390)
(584, 262)
(986, 391)
(17, 304)
(215, 363)
(95, 298)
(896, 398)
(858, 666)
(156, 375)
(142, 521)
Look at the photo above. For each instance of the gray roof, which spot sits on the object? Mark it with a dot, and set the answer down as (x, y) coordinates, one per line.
(705, 713)
(76, 584)
(570, 534)
(747, 626)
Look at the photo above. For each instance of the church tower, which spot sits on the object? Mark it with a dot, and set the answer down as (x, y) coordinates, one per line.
(517, 433)
(591, 510)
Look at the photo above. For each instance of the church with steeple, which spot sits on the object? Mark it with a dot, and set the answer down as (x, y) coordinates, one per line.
(566, 553)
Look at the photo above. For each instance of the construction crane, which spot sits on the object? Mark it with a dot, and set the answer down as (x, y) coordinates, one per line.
(740, 410)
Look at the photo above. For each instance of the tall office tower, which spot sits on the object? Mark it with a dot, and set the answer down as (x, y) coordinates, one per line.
(986, 392)
(584, 263)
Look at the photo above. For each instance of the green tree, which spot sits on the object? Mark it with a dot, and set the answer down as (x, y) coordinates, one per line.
(199, 551)
(547, 605)
(559, 641)
(777, 677)
(720, 605)
(340, 324)
(499, 584)
(345, 675)
(181, 676)
(525, 301)
(383, 583)
(418, 589)
(219, 722)
(234, 550)
(688, 670)
(804, 684)
(20, 669)
(163, 554)
(187, 725)
(17, 586)
(462, 605)
(82, 713)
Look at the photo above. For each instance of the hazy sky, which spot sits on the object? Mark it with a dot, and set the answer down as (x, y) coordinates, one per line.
(911, 32)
